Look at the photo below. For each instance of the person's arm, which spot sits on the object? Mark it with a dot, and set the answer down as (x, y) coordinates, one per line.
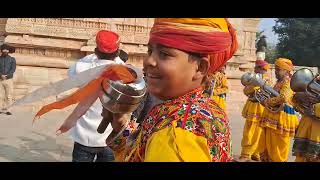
(249, 90)
(122, 129)
(285, 96)
(274, 101)
(297, 100)
(317, 110)
(12, 67)
(286, 93)
(81, 65)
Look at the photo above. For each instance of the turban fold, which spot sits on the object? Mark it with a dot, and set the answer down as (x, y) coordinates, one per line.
(207, 36)
(107, 41)
(284, 63)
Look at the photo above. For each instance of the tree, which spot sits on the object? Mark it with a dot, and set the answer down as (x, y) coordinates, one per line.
(299, 40)
(271, 53)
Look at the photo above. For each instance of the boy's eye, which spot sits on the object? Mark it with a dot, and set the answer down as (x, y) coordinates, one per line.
(163, 54)
(149, 51)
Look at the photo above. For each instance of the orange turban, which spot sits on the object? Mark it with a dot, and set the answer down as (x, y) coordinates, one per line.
(107, 41)
(207, 36)
(263, 64)
(284, 63)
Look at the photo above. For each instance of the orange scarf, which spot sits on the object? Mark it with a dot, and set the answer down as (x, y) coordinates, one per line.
(86, 96)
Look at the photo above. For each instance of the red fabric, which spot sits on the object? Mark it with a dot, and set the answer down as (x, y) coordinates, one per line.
(107, 41)
(261, 63)
(192, 41)
(220, 46)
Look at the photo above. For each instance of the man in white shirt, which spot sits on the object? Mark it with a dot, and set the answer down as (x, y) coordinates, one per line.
(89, 145)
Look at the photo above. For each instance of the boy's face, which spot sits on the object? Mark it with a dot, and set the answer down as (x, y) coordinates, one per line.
(169, 72)
(280, 73)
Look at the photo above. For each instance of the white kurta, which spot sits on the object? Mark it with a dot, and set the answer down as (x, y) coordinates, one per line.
(85, 131)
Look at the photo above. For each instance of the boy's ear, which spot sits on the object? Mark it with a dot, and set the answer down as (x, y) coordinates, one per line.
(203, 68)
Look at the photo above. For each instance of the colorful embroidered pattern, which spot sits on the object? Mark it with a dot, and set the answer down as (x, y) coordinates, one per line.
(194, 112)
(306, 147)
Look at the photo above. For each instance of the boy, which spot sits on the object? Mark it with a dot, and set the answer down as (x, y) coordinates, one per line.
(188, 125)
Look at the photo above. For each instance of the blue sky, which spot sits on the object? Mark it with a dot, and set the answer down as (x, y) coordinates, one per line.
(266, 25)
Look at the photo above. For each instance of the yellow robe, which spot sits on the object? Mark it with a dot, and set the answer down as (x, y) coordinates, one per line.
(252, 112)
(280, 126)
(306, 146)
(191, 128)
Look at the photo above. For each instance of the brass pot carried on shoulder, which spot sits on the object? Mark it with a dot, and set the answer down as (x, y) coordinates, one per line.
(263, 93)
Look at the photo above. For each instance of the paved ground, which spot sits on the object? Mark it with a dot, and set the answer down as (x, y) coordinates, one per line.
(21, 142)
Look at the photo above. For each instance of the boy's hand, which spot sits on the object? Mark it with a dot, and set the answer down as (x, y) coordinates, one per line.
(3, 77)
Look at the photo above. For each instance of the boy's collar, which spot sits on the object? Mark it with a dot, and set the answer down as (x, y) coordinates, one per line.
(188, 95)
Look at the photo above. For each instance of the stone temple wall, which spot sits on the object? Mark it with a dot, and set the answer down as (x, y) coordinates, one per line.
(46, 47)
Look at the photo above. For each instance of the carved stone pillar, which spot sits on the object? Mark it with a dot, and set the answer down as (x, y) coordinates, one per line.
(244, 58)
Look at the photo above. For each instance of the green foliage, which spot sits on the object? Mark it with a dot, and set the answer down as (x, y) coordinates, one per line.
(271, 53)
(299, 40)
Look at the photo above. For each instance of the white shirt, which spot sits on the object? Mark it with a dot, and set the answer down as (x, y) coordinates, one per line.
(85, 131)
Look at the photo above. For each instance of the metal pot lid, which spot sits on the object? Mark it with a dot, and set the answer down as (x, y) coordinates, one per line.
(300, 79)
(136, 88)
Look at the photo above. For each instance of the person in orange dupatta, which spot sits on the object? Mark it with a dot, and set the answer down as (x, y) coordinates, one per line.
(187, 125)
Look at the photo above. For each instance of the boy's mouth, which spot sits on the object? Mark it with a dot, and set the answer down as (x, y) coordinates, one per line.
(153, 76)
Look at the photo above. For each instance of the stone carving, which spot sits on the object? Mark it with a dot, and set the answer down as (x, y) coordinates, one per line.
(45, 61)
(62, 22)
(132, 30)
(58, 42)
(64, 28)
(32, 41)
(65, 54)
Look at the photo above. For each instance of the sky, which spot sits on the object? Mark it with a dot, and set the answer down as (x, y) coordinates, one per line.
(266, 24)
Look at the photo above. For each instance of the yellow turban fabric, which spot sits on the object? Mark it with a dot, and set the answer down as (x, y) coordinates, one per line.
(284, 63)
